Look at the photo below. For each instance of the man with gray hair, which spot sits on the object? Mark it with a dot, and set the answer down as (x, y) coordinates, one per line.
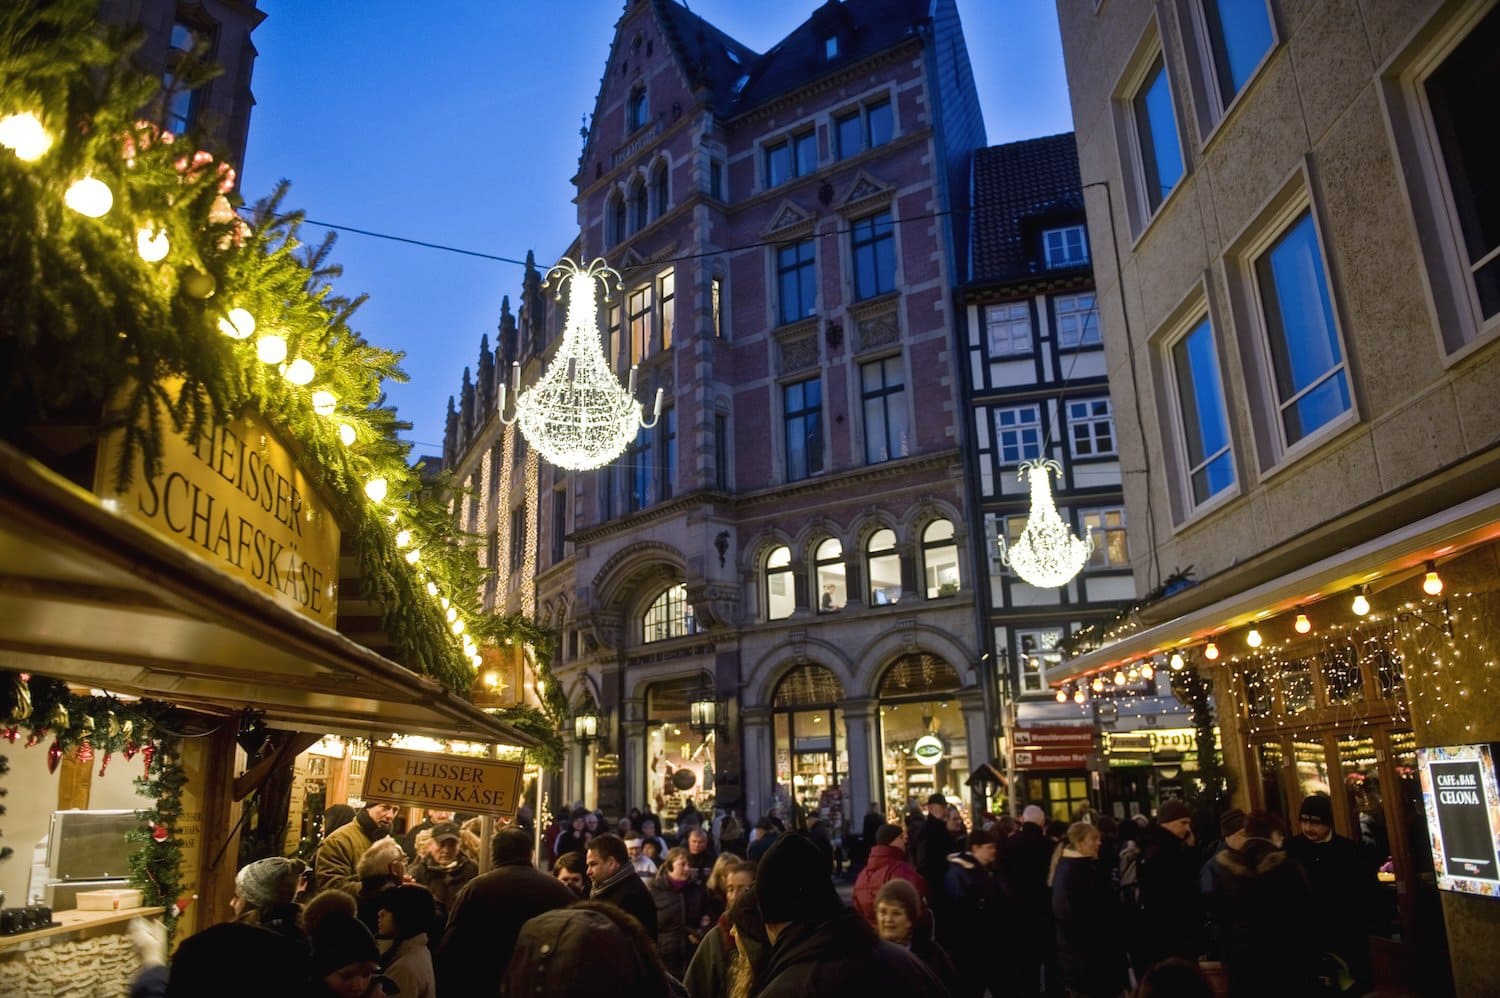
(1025, 859)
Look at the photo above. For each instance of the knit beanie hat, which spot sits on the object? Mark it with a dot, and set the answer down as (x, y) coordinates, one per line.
(269, 882)
(339, 941)
(1317, 807)
(794, 881)
(1231, 821)
(903, 893)
(411, 905)
(1172, 810)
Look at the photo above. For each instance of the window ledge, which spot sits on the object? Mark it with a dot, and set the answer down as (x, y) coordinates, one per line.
(865, 307)
(1161, 209)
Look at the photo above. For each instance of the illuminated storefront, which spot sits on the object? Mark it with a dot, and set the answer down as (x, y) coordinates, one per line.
(924, 749)
(679, 759)
(812, 744)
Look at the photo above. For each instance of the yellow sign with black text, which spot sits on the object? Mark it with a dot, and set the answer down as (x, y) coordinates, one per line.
(234, 495)
(447, 782)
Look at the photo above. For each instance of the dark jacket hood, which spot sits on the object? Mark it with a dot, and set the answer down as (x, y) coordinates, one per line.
(1256, 858)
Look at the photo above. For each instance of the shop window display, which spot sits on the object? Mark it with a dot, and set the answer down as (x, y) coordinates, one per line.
(812, 754)
(923, 744)
(681, 766)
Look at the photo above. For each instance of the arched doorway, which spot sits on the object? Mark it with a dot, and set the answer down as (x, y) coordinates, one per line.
(812, 749)
(922, 740)
(680, 764)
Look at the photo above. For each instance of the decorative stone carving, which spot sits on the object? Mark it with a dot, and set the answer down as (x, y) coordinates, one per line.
(878, 330)
(716, 604)
(799, 353)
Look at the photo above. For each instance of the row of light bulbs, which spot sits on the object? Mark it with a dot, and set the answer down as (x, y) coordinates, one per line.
(1432, 585)
(24, 134)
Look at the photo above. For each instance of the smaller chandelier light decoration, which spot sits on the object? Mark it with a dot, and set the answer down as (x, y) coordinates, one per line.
(576, 415)
(1047, 554)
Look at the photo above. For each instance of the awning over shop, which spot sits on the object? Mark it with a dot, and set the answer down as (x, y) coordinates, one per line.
(91, 597)
(1187, 618)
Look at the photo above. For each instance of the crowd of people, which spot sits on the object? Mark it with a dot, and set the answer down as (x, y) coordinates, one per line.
(1096, 909)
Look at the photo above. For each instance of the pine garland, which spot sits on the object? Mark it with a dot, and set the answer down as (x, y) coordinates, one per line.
(88, 327)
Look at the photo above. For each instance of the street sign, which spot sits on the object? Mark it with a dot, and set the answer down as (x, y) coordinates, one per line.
(456, 782)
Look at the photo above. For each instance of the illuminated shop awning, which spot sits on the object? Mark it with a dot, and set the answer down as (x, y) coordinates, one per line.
(1392, 556)
(92, 597)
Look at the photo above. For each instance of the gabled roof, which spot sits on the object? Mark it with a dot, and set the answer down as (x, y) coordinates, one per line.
(708, 56)
(1014, 184)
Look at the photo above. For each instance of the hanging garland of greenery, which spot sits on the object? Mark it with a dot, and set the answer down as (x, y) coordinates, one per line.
(139, 300)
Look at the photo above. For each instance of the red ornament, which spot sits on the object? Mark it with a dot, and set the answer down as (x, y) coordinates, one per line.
(148, 753)
(159, 833)
(104, 763)
(54, 756)
(129, 750)
(12, 733)
(35, 737)
(85, 753)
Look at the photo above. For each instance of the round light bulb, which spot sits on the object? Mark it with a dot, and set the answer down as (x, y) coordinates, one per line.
(1132, 674)
(375, 488)
(1302, 624)
(478, 660)
(444, 602)
(324, 402)
(1432, 583)
(1079, 697)
(1253, 639)
(23, 134)
(457, 628)
(89, 197)
(1177, 662)
(432, 589)
(299, 372)
(452, 614)
(1361, 605)
(1062, 695)
(1097, 685)
(403, 538)
(1119, 679)
(238, 324)
(413, 556)
(346, 434)
(1147, 671)
(1210, 651)
(271, 348)
(152, 244)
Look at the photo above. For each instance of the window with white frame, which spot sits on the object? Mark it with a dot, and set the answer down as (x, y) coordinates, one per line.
(883, 395)
(884, 566)
(1309, 374)
(1038, 652)
(998, 525)
(670, 615)
(940, 559)
(802, 410)
(1159, 164)
(796, 281)
(1202, 415)
(833, 583)
(781, 597)
(1077, 321)
(872, 242)
(1233, 38)
(1008, 328)
(1091, 427)
(1018, 432)
(794, 156)
(1065, 247)
(1108, 527)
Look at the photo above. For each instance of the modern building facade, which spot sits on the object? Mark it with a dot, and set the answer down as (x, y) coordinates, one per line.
(1035, 378)
(790, 541)
(1296, 257)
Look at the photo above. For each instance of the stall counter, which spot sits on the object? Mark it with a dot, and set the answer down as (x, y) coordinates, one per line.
(87, 954)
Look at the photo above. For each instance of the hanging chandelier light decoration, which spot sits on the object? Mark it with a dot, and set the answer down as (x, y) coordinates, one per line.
(576, 415)
(1047, 554)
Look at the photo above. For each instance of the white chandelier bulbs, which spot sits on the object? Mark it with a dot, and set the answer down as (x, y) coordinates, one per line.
(1047, 554)
(576, 415)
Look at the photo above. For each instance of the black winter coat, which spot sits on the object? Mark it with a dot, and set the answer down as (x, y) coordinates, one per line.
(484, 922)
(628, 892)
(933, 845)
(1025, 858)
(679, 915)
(971, 910)
(1256, 888)
(841, 955)
(1170, 898)
(1341, 875)
(1086, 911)
(444, 883)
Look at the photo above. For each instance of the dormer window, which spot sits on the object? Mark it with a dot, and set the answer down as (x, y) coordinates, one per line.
(1065, 247)
(636, 110)
(830, 48)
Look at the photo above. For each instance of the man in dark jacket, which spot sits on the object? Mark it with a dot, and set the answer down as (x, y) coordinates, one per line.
(971, 915)
(442, 868)
(887, 862)
(1172, 922)
(432, 820)
(819, 947)
(1341, 875)
(1025, 859)
(335, 861)
(488, 914)
(615, 881)
(934, 842)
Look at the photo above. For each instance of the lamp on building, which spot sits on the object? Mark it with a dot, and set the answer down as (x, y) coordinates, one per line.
(586, 725)
(1047, 554)
(576, 415)
(703, 713)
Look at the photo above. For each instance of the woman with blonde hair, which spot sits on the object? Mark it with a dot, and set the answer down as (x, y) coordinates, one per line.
(718, 900)
(1086, 911)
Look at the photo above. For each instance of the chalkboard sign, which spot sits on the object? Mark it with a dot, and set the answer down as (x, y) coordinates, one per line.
(1462, 801)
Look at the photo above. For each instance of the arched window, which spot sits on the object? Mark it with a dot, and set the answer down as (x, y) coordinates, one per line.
(635, 109)
(659, 189)
(781, 597)
(940, 559)
(670, 615)
(833, 590)
(884, 566)
(638, 205)
(616, 219)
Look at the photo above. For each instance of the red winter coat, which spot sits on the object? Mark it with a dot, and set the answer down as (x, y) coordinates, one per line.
(885, 863)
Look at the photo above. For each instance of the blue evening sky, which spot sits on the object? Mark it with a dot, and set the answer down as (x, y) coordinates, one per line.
(457, 123)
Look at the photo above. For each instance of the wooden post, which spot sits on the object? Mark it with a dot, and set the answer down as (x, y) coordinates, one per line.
(210, 837)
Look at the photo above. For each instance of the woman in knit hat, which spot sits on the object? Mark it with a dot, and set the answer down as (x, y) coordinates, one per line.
(263, 893)
(901, 918)
(405, 915)
(345, 960)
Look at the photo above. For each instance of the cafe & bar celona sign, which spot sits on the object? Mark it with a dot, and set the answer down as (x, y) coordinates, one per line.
(234, 496)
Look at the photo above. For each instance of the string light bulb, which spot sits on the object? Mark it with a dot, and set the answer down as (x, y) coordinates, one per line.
(271, 348)
(1098, 684)
(432, 589)
(376, 488)
(1302, 624)
(1211, 651)
(1178, 663)
(1361, 604)
(413, 556)
(403, 538)
(1147, 671)
(237, 324)
(1119, 679)
(1432, 582)
(299, 372)
(324, 402)
(1253, 639)
(152, 244)
(1062, 695)
(452, 614)
(457, 628)
(89, 196)
(23, 134)
(1132, 674)
(347, 434)
(1080, 697)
